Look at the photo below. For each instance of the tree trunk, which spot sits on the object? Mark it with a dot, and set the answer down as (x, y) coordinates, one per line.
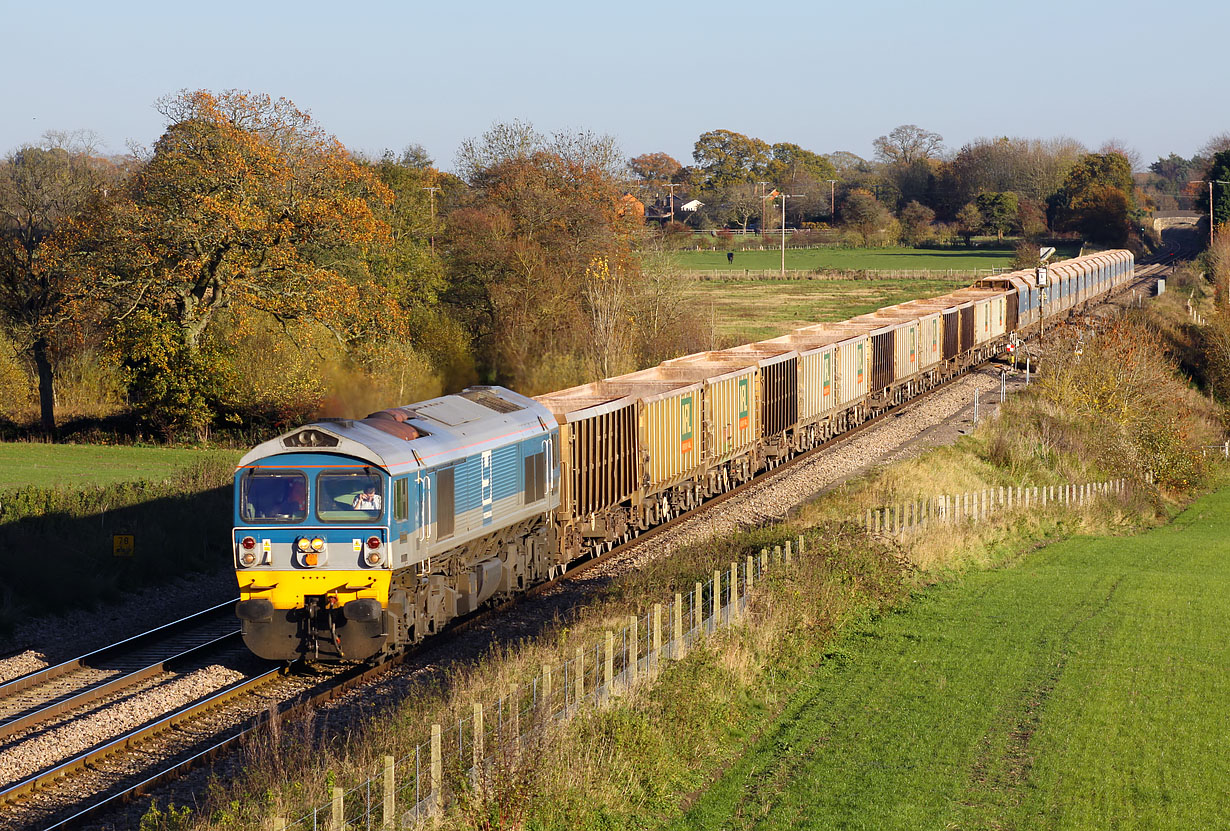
(46, 387)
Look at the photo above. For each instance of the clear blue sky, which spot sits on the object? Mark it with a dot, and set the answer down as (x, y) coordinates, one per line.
(827, 76)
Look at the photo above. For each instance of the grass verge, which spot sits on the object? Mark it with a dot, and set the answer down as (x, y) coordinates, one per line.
(848, 259)
(30, 464)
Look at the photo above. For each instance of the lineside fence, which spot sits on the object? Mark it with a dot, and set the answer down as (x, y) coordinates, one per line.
(409, 791)
(965, 275)
(915, 516)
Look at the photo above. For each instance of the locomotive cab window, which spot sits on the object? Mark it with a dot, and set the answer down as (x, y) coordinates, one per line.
(349, 497)
(274, 496)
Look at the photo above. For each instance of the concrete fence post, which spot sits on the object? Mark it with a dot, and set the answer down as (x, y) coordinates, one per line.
(777, 555)
(750, 576)
(389, 812)
(608, 668)
(788, 548)
(476, 742)
(437, 774)
(698, 608)
(800, 545)
(867, 521)
(579, 684)
(339, 800)
(875, 519)
(656, 660)
(679, 650)
(634, 650)
(717, 598)
(276, 824)
(734, 592)
(762, 564)
(546, 688)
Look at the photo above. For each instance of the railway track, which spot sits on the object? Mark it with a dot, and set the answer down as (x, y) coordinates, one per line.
(340, 683)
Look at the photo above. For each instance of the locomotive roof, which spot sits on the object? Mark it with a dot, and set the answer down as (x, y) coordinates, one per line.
(417, 435)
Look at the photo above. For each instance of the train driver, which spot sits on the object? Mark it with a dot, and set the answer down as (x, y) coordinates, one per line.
(368, 500)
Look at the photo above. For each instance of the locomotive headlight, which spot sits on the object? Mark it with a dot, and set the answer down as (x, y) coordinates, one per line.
(318, 544)
(372, 557)
(303, 544)
(247, 558)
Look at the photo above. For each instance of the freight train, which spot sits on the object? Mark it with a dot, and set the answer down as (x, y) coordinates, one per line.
(356, 538)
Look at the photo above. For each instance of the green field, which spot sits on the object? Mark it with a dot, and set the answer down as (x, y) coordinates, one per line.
(848, 259)
(73, 465)
(1083, 687)
(750, 310)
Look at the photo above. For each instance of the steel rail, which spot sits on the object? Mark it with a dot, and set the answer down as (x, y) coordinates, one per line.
(92, 694)
(40, 676)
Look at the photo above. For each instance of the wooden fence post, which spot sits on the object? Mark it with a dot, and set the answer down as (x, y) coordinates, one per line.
(698, 609)
(750, 577)
(546, 688)
(717, 598)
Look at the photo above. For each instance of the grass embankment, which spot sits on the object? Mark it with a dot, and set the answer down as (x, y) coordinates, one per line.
(744, 311)
(56, 541)
(1081, 687)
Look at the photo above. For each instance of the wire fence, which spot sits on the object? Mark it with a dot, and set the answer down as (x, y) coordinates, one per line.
(963, 275)
(409, 791)
(915, 516)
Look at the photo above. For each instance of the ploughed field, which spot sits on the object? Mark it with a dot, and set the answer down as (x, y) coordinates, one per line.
(1083, 686)
(72, 465)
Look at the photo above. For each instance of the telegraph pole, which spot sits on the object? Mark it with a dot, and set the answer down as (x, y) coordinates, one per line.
(832, 201)
(670, 186)
(785, 196)
(432, 192)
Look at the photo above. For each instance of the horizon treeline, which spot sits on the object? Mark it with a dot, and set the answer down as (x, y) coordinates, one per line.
(248, 272)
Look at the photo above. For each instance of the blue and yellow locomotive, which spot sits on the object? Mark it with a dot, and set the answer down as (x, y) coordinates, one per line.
(357, 537)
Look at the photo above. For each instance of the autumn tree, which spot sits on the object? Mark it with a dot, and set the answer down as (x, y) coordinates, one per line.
(1096, 198)
(969, 222)
(541, 211)
(43, 190)
(654, 169)
(1219, 175)
(724, 158)
(245, 205)
(998, 210)
(916, 220)
(908, 144)
(863, 214)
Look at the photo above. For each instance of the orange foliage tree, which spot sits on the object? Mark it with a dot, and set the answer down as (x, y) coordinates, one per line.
(244, 205)
(540, 212)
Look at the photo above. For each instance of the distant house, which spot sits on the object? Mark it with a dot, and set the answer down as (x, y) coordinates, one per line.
(629, 204)
(663, 210)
